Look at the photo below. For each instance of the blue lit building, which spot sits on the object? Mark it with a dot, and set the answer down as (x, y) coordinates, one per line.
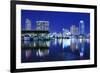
(81, 27)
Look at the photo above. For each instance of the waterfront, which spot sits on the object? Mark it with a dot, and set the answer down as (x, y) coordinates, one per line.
(54, 36)
(55, 50)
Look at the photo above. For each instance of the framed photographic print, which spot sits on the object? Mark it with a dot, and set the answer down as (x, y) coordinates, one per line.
(51, 36)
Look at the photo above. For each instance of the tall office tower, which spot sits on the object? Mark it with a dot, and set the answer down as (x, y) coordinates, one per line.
(28, 24)
(74, 41)
(42, 25)
(81, 27)
(74, 30)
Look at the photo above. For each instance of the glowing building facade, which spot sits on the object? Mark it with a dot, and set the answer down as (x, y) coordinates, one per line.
(74, 30)
(28, 24)
(81, 27)
(42, 25)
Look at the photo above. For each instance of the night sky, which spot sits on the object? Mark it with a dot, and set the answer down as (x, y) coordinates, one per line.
(57, 20)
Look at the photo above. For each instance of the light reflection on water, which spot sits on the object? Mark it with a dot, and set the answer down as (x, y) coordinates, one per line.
(42, 52)
(55, 50)
(66, 43)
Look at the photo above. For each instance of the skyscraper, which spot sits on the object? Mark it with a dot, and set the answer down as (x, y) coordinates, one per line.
(81, 27)
(42, 25)
(28, 24)
(74, 30)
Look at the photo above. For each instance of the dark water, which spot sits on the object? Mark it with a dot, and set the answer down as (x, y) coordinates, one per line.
(55, 50)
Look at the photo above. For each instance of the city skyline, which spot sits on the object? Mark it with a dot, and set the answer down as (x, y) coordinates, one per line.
(54, 36)
(57, 20)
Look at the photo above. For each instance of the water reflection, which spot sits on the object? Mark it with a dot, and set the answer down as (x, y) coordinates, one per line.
(42, 52)
(55, 49)
(28, 53)
(66, 43)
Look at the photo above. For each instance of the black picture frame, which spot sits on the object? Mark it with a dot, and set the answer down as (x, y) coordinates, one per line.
(13, 35)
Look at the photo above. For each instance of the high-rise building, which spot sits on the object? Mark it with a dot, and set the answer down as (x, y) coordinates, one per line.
(74, 30)
(81, 27)
(28, 24)
(42, 25)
